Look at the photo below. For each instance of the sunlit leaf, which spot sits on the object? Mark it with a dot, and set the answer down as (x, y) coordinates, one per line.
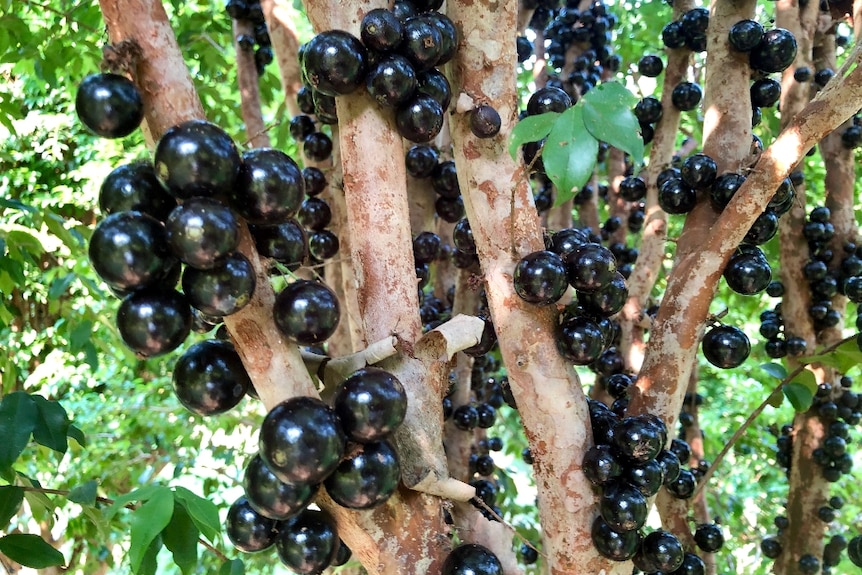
(233, 567)
(84, 494)
(569, 153)
(776, 370)
(52, 425)
(799, 395)
(531, 129)
(203, 512)
(181, 538)
(609, 118)
(148, 521)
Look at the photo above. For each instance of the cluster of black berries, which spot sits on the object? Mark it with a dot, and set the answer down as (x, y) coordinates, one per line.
(259, 40)
(305, 443)
(630, 464)
(423, 161)
(590, 31)
(395, 60)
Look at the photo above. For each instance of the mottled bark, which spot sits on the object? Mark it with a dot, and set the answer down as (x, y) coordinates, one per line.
(285, 46)
(652, 247)
(249, 90)
(505, 226)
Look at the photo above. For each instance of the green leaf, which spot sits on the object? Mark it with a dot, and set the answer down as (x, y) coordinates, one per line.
(569, 153)
(149, 563)
(75, 433)
(30, 551)
(844, 358)
(41, 505)
(80, 335)
(233, 567)
(531, 129)
(799, 395)
(181, 538)
(609, 117)
(776, 370)
(51, 425)
(775, 399)
(59, 286)
(84, 494)
(56, 225)
(11, 498)
(203, 512)
(807, 379)
(18, 415)
(148, 521)
(143, 494)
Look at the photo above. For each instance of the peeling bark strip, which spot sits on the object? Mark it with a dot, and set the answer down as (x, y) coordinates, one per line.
(505, 226)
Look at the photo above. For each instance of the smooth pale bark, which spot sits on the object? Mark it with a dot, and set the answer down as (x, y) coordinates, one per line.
(505, 226)
(678, 326)
(285, 46)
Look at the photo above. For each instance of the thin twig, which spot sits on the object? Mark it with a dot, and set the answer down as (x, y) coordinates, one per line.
(477, 501)
(108, 501)
(754, 414)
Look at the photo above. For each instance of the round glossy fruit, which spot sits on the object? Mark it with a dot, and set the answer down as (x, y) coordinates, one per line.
(724, 188)
(636, 440)
(670, 465)
(765, 92)
(540, 278)
(222, 290)
(323, 245)
(590, 267)
(308, 543)
(270, 187)
(659, 551)
(202, 232)
(301, 126)
(419, 119)
(317, 146)
(691, 565)
(306, 311)
(600, 465)
(366, 477)
(209, 378)
(154, 322)
(426, 247)
(109, 105)
(608, 300)
(633, 188)
(197, 158)
(698, 171)
(745, 35)
(485, 121)
(135, 187)
(748, 273)
(129, 250)
(334, 62)
(314, 179)
(462, 237)
(391, 81)
(726, 346)
(579, 340)
(686, 96)
(623, 507)
(444, 180)
(612, 544)
(286, 243)
(381, 30)
(854, 550)
(423, 43)
(301, 440)
(434, 83)
(708, 537)
(248, 530)
(763, 229)
(272, 497)
(647, 478)
(465, 417)
(775, 51)
(648, 110)
(371, 404)
(650, 66)
(421, 161)
(683, 486)
(548, 99)
(471, 559)
(314, 214)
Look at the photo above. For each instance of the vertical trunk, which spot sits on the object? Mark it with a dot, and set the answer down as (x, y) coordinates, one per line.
(249, 90)
(505, 226)
(652, 246)
(285, 44)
